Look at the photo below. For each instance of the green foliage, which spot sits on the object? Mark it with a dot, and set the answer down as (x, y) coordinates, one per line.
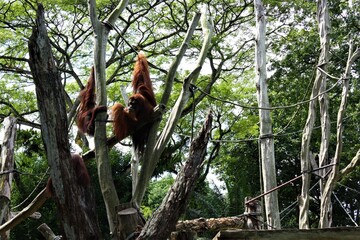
(155, 193)
(31, 163)
(120, 166)
(205, 202)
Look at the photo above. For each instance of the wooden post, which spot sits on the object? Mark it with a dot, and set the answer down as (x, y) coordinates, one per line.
(183, 235)
(254, 214)
(129, 221)
(46, 231)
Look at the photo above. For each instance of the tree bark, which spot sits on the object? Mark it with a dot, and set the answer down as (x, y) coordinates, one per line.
(324, 33)
(164, 219)
(47, 233)
(101, 32)
(212, 224)
(353, 163)
(319, 83)
(324, 30)
(7, 146)
(75, 203)
(325, 204)
(266, 136)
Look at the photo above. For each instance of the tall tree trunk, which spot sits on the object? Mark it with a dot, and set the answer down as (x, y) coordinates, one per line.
(101, 32)
(266, 136)
(164, 220)
(335, 175)
(75, 203)
(319, 83)
(324, 33)
(7, 146)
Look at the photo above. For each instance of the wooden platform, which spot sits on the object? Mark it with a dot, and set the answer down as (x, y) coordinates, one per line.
(343, 233)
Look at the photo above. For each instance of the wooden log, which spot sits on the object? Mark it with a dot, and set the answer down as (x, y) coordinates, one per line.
(38, 201)
(212, 224)
(128, 222)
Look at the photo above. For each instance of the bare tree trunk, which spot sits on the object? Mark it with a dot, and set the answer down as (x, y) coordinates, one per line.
(164, 220)
(324, 33)
(101, 32)
(335, 175)
(135, 164)
(75, 203)
(320, 83)
(324, 30)
(266, 136)
(7, 146)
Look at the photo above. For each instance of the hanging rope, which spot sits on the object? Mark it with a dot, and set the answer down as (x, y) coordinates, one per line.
(270, 108)
(337, 199)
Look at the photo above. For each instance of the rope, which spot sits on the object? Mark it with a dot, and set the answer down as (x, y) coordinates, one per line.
(337, 199)
(352, 189)
(268, 108)
(122, 37)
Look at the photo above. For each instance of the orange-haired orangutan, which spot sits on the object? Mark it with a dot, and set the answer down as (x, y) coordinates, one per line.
(126, 120)
(82, 175)
(88, 109)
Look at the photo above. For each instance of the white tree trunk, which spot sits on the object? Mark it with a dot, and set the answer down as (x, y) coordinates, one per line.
(266, 136)
(101, 32)
(7, 146)
(324, 33)
(335, 175)
(319, 83)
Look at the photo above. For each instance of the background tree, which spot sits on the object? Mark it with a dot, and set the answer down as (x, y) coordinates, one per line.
(266, 139)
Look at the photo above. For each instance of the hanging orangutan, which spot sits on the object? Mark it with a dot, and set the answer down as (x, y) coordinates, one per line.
(88, 109)
(130, 120)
